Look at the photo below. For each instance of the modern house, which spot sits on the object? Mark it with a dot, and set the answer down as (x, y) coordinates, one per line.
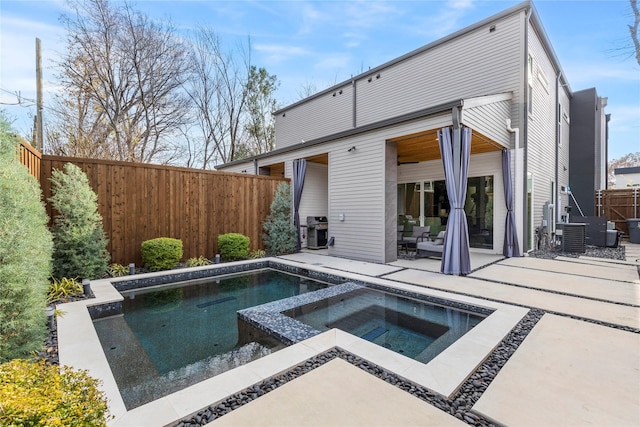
(627, 177)
(371, 145)
(588, 153)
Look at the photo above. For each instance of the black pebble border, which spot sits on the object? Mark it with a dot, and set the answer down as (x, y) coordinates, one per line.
(459, 406)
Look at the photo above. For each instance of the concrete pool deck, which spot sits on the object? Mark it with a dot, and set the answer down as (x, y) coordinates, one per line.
(560, 359)
(566, 372)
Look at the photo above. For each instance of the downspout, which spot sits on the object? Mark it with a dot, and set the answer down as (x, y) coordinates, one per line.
(516, 137)
(525, 132)
(353, 104)
(255, 166)
(556, 196)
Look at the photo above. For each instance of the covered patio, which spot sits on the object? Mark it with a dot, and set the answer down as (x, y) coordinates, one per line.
(462, 203)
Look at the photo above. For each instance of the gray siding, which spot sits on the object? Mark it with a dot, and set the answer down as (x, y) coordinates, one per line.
(541, 140)
(474, 64)
(322, 116)
(563, 150)
(490, 120)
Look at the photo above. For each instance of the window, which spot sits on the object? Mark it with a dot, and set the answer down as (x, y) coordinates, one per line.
(543, 79)
(559, 125)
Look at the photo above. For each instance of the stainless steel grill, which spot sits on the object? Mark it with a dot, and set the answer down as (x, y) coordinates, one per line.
(317, 230)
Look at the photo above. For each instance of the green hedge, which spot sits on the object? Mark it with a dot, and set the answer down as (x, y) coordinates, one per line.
(162, 253)
(233, 246)
(25, 254)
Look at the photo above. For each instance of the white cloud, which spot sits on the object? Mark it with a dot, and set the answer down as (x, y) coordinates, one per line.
(333, 62)
(275, 53)
(582, 74)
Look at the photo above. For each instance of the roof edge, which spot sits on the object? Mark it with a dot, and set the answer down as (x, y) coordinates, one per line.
(513, 9)
(459, 103)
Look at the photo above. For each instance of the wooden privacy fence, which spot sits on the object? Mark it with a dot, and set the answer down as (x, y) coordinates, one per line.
(30, 157)
(141, 201)
(618, 205)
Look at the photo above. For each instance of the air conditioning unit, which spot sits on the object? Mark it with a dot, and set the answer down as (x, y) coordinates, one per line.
(573, 238)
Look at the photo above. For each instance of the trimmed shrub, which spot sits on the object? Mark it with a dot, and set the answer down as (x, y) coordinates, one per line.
(79, 241)
(36, 394)
(197, 262)
(279, 233)
(25, 254)
(233, 246)
(163, 253)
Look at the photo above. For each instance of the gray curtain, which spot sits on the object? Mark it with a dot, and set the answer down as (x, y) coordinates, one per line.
(299, 171)
(455, 148)
(510, 248)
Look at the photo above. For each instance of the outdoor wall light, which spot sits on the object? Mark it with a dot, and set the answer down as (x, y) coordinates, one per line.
(352, 149)
(370, 79)
(378, 76)
(334, 94)
(340, 92)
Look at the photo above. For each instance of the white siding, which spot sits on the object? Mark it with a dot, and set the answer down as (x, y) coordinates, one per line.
(541, 139)
(322, 116)
(485, 164)
(490, 120)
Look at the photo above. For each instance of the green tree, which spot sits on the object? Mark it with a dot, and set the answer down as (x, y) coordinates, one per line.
(25, 254)
(261, 104)
(279, 233)
(79, 241)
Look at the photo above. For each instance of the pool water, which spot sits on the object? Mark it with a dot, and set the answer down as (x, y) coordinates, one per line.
(411, 327)
(172, 337)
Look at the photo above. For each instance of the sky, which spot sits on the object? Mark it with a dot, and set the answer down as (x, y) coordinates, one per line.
(320, 43)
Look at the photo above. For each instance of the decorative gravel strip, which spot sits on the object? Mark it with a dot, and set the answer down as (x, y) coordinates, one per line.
(458, 406)
(592, 251)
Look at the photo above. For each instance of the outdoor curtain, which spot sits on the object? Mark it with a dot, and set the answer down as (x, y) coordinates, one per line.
(299, 171)
(455, 149)
(511, 248)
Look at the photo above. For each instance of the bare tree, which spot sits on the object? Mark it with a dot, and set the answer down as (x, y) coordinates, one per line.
(633, 29)
(122, 78)
(218, 90)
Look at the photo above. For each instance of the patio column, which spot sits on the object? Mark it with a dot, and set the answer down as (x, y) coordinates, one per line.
(299, 171)
(455, 149)
(510, 248)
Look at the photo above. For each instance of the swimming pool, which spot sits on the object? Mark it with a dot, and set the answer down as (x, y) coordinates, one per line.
(80, 347)
(173, 336)
(408, 326)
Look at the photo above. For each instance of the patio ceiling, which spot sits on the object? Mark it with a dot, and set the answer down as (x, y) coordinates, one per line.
(423, 146)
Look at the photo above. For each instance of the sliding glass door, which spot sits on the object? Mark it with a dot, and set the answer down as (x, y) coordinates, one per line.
(425, 203)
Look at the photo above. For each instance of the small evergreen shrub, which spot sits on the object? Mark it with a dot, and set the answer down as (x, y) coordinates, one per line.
(79, 241)
(233, 246)
(25, 254)
(61, 289)
(162, 253)
(37, 394)
(279, 233)
(118, 270)
(197, 262)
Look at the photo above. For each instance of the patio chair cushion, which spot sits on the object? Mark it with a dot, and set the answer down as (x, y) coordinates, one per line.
(436, 246)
